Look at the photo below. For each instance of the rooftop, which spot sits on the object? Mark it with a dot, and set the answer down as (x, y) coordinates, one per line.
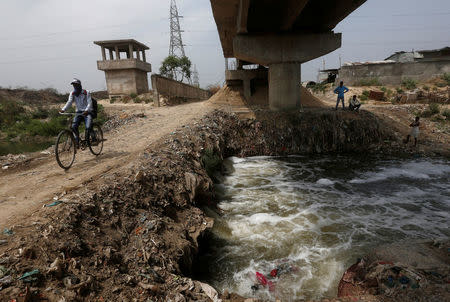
(122, 44)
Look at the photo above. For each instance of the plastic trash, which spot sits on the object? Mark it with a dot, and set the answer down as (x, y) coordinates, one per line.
(404, 280)
(264, 282)
(29, 276)
(8, 232)
(53, 204)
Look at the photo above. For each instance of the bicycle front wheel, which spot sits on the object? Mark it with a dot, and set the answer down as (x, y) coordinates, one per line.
(65, 149)
(95, 140)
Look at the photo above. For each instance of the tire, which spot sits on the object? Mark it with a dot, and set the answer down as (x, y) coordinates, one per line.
(65, 149)
(95, 140)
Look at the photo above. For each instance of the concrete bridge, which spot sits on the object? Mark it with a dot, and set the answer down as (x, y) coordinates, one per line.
(280, 35)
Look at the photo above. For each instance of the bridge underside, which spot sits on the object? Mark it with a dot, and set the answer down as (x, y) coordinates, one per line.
(281, 35)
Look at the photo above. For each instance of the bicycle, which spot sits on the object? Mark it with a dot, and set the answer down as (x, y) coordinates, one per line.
(66, 147)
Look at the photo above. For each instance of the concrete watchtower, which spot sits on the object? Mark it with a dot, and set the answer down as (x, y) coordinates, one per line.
(126, 75)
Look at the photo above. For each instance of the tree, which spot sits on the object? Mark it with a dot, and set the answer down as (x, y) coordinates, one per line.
(176, 68)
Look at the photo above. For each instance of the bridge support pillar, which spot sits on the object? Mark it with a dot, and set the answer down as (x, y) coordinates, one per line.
(284, 53)
(284, 86)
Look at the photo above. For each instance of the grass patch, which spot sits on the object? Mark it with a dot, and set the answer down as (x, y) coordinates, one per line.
(369, 82)
(319, 87)
(409, 84)
(432, 109)
(446, 78)
(446, 113)
(399, 90)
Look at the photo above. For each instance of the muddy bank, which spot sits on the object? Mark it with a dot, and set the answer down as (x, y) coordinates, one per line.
(134, 235)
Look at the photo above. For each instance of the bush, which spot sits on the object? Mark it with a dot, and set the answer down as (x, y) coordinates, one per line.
(441, 84)
(320, 87)
(369, 82)
(10, 112)
(446, 77)
(426, 88)
(446, 113)
(137, 101)
(133, 95)
(431, 110)
(148, 101)
(409, 84)
(399, 90)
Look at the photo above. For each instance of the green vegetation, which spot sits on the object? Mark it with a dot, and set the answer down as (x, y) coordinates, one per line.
(370, 82)
(364, 96)
(441, 84)
(319, 87)
(133, 95)
(387, 92)
(409, 84)
(32, 126)
(446, 113)
(172, 66)
(426, 88)
(137, 100)
(432, 109)
(446, 78)
(399, 90)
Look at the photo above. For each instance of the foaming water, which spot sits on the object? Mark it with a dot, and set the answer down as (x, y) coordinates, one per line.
(315, 216)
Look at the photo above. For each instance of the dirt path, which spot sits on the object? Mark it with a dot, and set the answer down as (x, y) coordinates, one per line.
(24, 191)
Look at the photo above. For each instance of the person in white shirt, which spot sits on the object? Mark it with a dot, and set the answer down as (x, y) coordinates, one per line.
(83, 103)
(414, 131)
(354, 104)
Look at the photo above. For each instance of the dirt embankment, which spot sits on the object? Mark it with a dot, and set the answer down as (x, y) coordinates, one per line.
(135, 236)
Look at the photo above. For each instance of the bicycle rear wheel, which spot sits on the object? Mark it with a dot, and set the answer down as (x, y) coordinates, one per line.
(65, 149)
(95, 140)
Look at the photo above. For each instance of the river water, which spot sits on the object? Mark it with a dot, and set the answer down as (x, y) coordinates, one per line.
(313, 217)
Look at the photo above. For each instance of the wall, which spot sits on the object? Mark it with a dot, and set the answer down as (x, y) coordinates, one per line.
(393, 73)
(174, 89)
(126, 82)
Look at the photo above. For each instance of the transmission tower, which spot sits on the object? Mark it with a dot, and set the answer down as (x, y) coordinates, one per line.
(195, 80)
(176, 43)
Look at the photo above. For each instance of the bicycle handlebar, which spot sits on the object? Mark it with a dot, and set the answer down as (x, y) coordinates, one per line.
(70, 113)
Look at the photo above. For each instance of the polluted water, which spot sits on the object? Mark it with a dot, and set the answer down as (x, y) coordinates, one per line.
(289, 227)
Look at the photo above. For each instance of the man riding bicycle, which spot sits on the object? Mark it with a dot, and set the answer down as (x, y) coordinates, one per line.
(83, 102)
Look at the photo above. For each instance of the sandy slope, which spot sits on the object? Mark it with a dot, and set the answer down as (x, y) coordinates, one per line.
(24, 191)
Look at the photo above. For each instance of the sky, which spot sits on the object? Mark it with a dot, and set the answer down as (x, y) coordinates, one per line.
(46, 43)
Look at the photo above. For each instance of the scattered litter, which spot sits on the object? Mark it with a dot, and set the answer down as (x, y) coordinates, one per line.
(53, 204)
(29, 276)
(8, 232)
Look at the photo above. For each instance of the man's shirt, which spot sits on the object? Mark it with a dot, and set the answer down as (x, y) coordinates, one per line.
(83, 101)
(354, 102)
(341, 91)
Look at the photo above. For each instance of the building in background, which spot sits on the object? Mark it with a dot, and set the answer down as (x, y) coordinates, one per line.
(125, 66)
(417, 65)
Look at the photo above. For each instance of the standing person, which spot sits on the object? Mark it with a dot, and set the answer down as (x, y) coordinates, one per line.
(341, 90)
(354, 104)
(83, 102)
(414, 131)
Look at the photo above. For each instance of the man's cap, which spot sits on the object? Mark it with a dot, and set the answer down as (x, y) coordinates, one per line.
(75, 81)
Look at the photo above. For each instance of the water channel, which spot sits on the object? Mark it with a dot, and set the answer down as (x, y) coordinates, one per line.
(313, 217)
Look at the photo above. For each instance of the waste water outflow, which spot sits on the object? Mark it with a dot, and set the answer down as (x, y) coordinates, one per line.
(318, 215)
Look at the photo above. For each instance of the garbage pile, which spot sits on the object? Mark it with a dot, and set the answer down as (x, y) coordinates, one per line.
(134, 238)
(401, 272)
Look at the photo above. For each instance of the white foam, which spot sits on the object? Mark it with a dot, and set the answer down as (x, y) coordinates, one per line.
(325, 182)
